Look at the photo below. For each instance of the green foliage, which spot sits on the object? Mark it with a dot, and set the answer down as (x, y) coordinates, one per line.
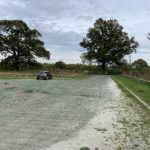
(84, 148)
(75, 67)
(47, 66)
(60, 65)
(114, 71)
(7, 65)
(20, 45)
(106, 43)
(139, 65)
(126, 67)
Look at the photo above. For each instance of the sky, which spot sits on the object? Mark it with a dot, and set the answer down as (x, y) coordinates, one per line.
(63, 23)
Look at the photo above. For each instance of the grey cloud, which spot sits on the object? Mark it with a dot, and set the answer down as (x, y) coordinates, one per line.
(67, 41)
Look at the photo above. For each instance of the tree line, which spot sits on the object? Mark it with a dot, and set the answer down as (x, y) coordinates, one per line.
(105, 44)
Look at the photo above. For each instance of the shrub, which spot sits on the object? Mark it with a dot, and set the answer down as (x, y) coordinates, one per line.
(60, 65)
(84, 148)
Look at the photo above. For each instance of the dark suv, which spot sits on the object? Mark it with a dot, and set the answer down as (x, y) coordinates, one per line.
(44, 75)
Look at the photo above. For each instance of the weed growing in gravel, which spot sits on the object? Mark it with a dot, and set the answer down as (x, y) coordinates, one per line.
(119, 148)
(10, 88)
(84, 148)
(101, 129)
(28, 91)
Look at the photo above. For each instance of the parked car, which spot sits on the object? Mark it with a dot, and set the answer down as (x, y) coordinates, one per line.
(44, 75)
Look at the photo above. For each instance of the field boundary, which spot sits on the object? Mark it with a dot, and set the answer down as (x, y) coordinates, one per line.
(138, 98)
(136, 78)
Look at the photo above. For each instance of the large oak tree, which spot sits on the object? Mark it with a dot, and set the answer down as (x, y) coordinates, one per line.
(20, 45)
(106, 43)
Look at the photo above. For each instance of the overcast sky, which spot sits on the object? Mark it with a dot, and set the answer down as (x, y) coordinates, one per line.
(63, 23)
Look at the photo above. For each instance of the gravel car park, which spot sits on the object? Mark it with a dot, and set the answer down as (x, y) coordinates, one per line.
(70, 114)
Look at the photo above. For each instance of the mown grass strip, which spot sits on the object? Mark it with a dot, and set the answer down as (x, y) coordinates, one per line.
(5, 77)
(17, 76)
(139, 89)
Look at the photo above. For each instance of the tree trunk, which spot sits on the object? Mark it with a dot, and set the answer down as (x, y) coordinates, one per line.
(16, 65)
(103, 67)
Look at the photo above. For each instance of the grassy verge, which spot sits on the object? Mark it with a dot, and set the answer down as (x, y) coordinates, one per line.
(140, 88)
(32, 75)
(15, 76)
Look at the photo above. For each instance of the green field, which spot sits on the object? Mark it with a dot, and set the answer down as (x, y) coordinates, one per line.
(9, 77)
(32, 75)
(140, 88)
(12, 75)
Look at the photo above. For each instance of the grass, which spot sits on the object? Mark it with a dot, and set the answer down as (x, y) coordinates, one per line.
(14, 77)
(140, 88)
(32, 75)
(84, 148)
(101, 129)
(11, 75)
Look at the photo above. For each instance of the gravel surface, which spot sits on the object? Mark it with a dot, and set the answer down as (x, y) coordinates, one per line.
(70, 114)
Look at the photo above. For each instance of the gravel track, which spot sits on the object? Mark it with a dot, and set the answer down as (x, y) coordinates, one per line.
(70, 114)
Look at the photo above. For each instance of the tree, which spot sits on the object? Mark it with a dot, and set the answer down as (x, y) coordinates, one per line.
(139, 65)
(148, 36)
(20, 45)
(124, 61)
(60, 65)
(106, 43)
